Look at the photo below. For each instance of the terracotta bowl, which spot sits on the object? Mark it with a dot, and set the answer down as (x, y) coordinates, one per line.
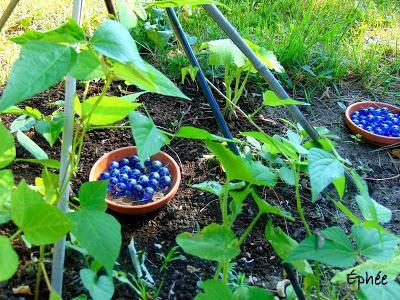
(368, 136)
(102, 164)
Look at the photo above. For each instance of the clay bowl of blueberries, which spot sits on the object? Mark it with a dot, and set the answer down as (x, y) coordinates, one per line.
(136, 188)
(378, 123)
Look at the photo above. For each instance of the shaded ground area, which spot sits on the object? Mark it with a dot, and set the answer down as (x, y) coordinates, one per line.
(192, 208)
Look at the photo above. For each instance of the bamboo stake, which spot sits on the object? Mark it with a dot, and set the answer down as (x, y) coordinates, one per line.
(7, 12)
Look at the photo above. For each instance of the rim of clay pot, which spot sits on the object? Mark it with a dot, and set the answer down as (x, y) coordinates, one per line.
(103, 162)
(370, 137)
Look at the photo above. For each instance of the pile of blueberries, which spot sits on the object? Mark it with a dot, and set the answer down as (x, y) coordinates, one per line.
(128, 177)
(380, 121)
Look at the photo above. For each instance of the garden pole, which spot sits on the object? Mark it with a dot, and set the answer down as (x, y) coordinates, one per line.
(65, 163)
(274, 84)
(110, 7)
(201, 79)
(7, 12)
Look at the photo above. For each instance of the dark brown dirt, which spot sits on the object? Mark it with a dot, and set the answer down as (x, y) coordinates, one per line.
(192, 208)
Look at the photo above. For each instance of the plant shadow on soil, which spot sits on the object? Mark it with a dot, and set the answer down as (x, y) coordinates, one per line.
(190, 207)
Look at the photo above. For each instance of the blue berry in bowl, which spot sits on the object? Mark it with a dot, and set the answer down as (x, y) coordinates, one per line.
(395, 121)
(123, 178)
(377, 112)
(130, 183)
(370, 117)
(147, 162)
(113, 180)
(371, 109)
(110, 188)
(363, 122)
(105, 175)
(389, 116)
(135, 174)
(114, 165)
(378, 120)
(115, 173)
(369, 128)
(137, 191)
(395, 130)
(154, 175)
(133, 160)
(164, 171)
(126, 170)
(378, 131)
(362, 117)
(118, 194)
(361, 126)
(148, 194)
(121, 186)
(124, 162)
(156, 165)
(385, 128)
(165, 181)
(140, 167)
(143, 180)
(355, 114)
(153, 184)
(364, 111)
(356, 121)
(384, 110)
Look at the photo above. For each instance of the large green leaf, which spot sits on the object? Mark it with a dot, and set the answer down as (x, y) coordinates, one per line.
(87, 66)
(126, 16)
(262, 174)
(99, 233)
(216, 188)
(41, 223)
(190, 132)
(6, 186)
(224, 52)
(148, 138)
(389, 291)
(113, 40)
(265, 207)
(109, 110)
(100, 288)
(69, 32)
(22, 123)
(7, 147)
(374, 244)
(31, 146)
(51, 130)
(215, 242)
(92, 195)
(146, 78)
(370, 208)
(284, 245)
(271, 99)
(323, 169)
(288, 175)
(8, 259)
(267, 57)
(39, 66)
(214, 289)
(331, 247)
(252, 293)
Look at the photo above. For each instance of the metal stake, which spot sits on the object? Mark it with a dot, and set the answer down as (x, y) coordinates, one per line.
(7, 12)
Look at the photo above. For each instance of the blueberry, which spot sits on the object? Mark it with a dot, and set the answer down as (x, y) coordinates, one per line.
(377, 112)
(143, 180)
(356, 121)
(148, 194)
(133, 160)
(137, 191)
(156, 165)
(153, 184)
(165, 181)
(113, 180)
(395, 121)
(123, 178)
(371, 109)
(118, 194)
(370, 117)
(140, 167)
(388, 122)
(364, 122)
(147, 162)
(378, 120)
(105, 175)
(164, 171)
(130, 183)
(110, 188)
(364, 111)
(121, 186)
(395, 130)
(115, 173)
(124, 162)
(154, 175)
(378, 131)
(362, 117)
(384, 110)
(135, 174)
(385, 128)
(355, 114)
(369, 128)
(361, 126)
(126, 170)
(389, 116)
(114, 165)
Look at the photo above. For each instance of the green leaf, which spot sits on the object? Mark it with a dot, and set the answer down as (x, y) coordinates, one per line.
(87, 66)
(262, 174)
(265, 207)
(108, 111)
(287, 175)
(224, 52)
(51, 130)
(31, 146)
(236, 204)
(212, 187)
(374, 244)
(148, 138)
(340, 185)
(323, 169)
(370, 208)
(388, 267)
(189, 132)
(8, 259)
(284, 245)
(100, 288)
(267, 57)
(39, 66)
(113, 40)
(159, 37)
(271, 99)
(252, 293)
(390, 291)
(69, 32)
(132, 97)
(192, 71)
(215, 242)
(146, 78)
(214, 289)
(7, 147)
(126, 16)
(54, 296)
(22, 123)
(49, 163)
(41, 223)
(99, 233)
(92, 195)
(6, 186)
(50, 183)
(336, 249)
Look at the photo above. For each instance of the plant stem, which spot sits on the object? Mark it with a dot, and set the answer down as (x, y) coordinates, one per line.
(39, 272)
(298, 200)
(109, 127)
(15, 235)
(256, 111)
(225, 272)
(249, 228)
(225, 203)
(217, 271)
(46, 278)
